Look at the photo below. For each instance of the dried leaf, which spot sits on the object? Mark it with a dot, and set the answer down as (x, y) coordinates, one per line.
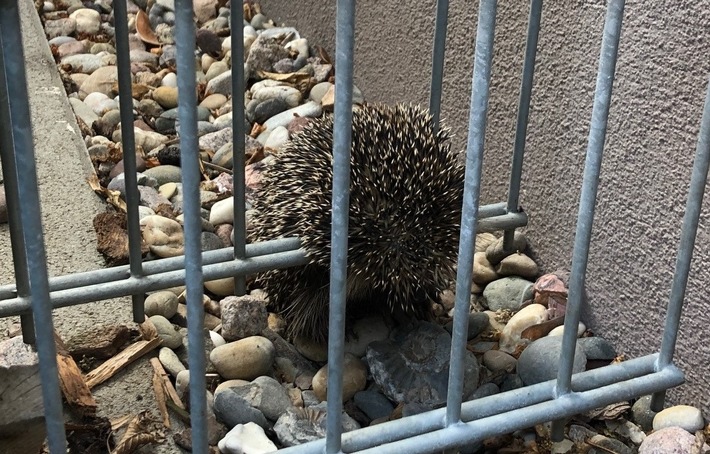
(144, 30)
(542, 329)
(611, 411)
(302, 81)
(118, 423)
(138, 433)
(112, 197)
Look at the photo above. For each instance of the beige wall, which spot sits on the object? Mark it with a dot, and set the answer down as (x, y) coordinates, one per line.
(655, 113)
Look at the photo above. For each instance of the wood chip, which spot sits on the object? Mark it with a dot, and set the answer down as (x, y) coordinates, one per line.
(160, 396)
(76, 391)
(118, 362)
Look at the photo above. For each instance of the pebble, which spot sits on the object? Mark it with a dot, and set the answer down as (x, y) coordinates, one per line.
(354, 378)
(670, 440)
(167, 332)
(215, 140)
(558, 331)
(483, 271)
(222, 212)
(539, 361)
(477, 323)
(518, 265)
(182, 383)
(165, 174)
(217, 339)
(166, 96)
(642, 414)
(232, 409)
(309, 109)
(221, 287)
(296, 427)
(498, 361)
(245, 359)
(216, 68)
(214, 101)
(170, 361)
(290, 96)
(508, 293)
(319, 90)
(220, 84)
(209, 241)
(597, 348)
(148, 140)
(163, 303)
(246, 438)
(683, 416)
(71, 48)
(84, 112)
(495, 252)
(278, 137)
(164, 236)
(59, 27)
(102, 80)
(83, 63)
(374, 404)
(242, 316)
(87, 20)
(169, 80)
(485, 390)
(264, 394)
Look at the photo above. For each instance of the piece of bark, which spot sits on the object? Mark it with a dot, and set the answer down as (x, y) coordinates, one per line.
(112, 237)
(22, 426)
(101, 342)
(118, 362)
(148, 330)
(71, 381)
(167, 384)
(160, 396)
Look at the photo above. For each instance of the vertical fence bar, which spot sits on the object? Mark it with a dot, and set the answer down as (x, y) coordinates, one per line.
(342, 132)
(19, 258)
(189, 156)
(521, 126)
(472, 187)
(685, 249)
(31, 219)
(128, 146)
(437, 66)
(585, 219)
(238, 183)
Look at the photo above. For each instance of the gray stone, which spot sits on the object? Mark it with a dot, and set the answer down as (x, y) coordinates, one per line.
(518, 264)
(101, 80)
(364, 331)
(242, 316)
(642, 414)
(683, 416)
(485, 390)
(83, 111)
(297, 426)
(318, 91)
(264, 394)
(508, 293)
(170, 361)
(232, 409)
(163, 303)
(59, 27)
(221, 84)
(477, 323)
(87, 20)
(309, 109)
(167, 332)
(498, 361)
(374, 404)
(268, 108)
(289, 96)
(143, 56)
(216, 68)
(209, 241)
(215, 140)
(224, 156)
(609, 445)
(83, 63)
(511, 382)
(597, 348)
(164, 174)
(354, 378)
(539, 360)
(277, 138)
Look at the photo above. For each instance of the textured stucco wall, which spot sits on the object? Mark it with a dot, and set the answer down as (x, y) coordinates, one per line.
(655, 113)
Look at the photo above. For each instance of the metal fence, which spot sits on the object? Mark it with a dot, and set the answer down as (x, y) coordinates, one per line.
(35, 295)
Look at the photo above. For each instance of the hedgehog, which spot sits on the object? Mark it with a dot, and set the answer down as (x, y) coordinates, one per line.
(406, 194)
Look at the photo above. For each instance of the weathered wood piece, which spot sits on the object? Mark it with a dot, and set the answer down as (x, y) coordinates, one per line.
(71, 381)
(118, 362)
(101, 342)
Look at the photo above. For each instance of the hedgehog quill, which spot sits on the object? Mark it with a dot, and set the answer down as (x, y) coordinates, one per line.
(406, 193)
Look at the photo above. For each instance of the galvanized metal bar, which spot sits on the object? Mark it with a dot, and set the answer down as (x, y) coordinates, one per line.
(342, 132)
(189, 159)
(97, 292)
(238, 177)
(379, 434)
(688, 233)
(587, 202)
(472, 188)
(570, 404)
(521, 126)
(31, 220)
(438, 57)
(128, 146)
(117, 273)
(17, 237)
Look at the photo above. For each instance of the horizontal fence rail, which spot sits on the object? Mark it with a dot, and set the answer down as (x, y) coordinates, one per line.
(35, 295)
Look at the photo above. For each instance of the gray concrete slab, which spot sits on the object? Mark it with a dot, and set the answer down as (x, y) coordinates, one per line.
(68, 207)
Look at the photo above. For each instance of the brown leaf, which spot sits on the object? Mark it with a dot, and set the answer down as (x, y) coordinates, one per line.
(302, 81)
(611, 411)
(138, 433)
(112, 197)
(542, 329)
(144, 30)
